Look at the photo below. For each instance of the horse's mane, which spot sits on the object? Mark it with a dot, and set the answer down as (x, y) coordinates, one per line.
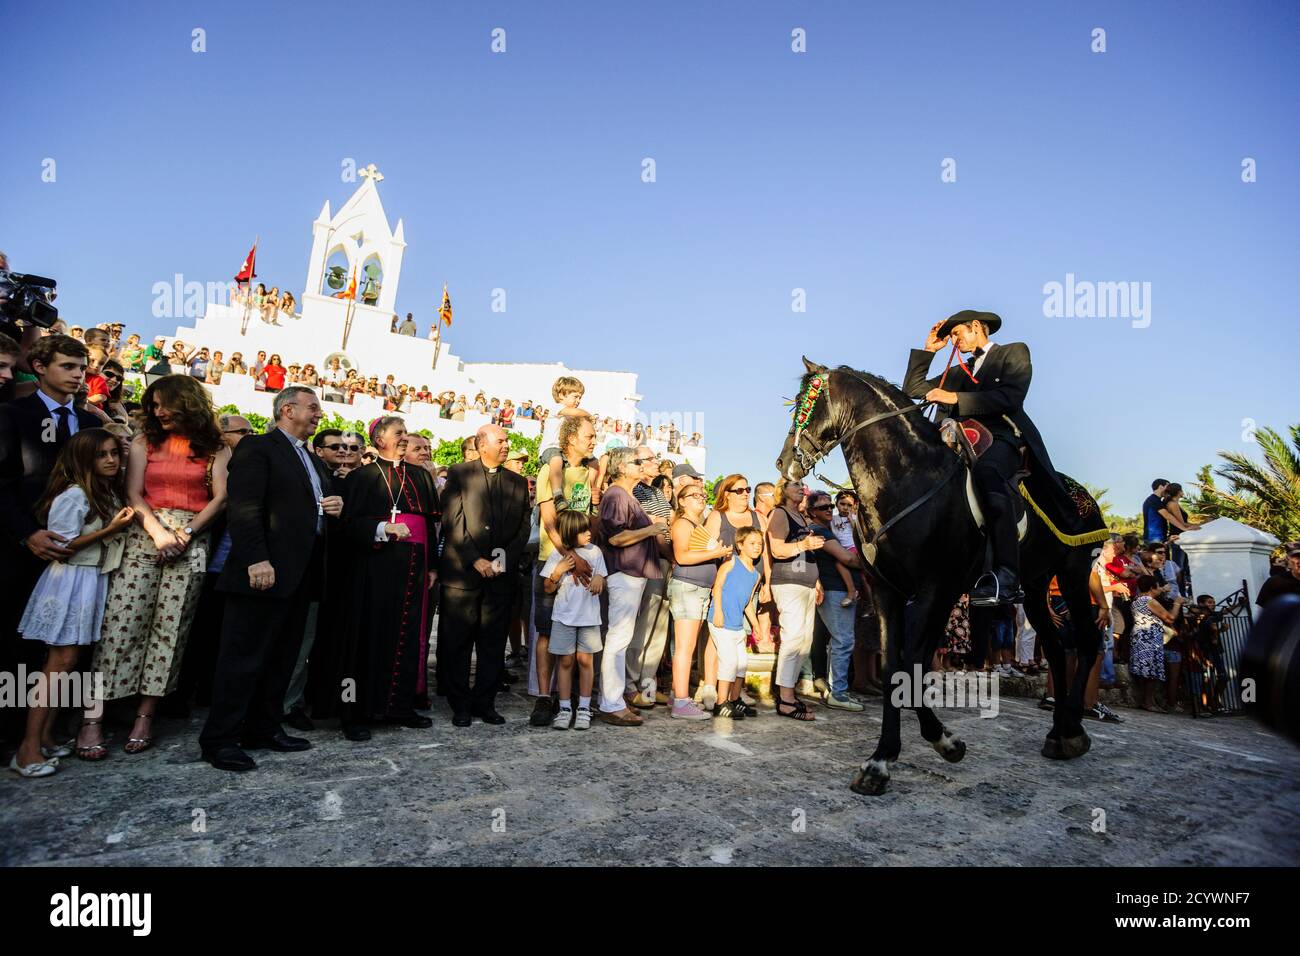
(887, 387)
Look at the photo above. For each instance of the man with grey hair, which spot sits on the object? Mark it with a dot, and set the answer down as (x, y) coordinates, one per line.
(485, 526)
(279, 498)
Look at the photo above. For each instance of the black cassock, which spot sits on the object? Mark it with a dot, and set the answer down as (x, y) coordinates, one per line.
(381, 615)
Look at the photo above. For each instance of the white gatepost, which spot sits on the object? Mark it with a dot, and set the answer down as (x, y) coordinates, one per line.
(1223, 553)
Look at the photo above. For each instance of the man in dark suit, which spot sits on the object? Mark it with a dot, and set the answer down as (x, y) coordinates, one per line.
(992, 393)
(485, 525)
(279, 500)
(33, 430)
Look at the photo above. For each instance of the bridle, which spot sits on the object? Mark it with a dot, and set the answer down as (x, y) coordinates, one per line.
(808, 461)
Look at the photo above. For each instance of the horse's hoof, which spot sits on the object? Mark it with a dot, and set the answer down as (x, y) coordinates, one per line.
(1052, 748)
(1072, 747)
(950, 748)
(871, 780)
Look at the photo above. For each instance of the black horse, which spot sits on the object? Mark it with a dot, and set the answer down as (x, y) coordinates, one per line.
(924, 546)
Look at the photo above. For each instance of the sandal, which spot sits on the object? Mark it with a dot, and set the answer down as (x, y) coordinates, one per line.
(798, 710)
(58, 750)
(94, 751)
(141, 744)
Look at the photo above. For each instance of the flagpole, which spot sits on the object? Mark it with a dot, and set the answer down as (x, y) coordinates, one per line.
(248, 299)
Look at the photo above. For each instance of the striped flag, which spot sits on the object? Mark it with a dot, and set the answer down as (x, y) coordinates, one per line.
(445, 309)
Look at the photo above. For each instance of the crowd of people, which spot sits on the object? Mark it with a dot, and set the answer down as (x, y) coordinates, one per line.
(110, 343)
(305, 574)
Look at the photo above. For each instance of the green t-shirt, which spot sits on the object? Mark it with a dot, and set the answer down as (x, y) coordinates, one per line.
(575, 491)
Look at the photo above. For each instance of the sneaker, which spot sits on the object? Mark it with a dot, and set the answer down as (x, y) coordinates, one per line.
(543, 711)
(563, 719)
(1009, 671)
(729, 710)
(582, 718)
(688, 711)
(842, 702)
(1100, 711)
(749, 709)
(1047, 703)
(708, 697)
(847, 601)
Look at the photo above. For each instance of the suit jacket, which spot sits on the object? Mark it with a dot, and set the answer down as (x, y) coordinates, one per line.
(26, 460)
(1003, 384)
(271, 513)
(468, 533)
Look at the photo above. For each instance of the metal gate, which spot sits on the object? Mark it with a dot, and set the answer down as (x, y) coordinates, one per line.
(1219, 674)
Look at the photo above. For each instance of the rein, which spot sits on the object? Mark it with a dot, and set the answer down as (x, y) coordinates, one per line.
(808, 464)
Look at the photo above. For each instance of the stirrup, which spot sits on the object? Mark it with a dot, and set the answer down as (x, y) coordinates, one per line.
(997, 597)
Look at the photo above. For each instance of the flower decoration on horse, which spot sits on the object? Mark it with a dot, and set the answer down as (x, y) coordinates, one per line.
(803, 407)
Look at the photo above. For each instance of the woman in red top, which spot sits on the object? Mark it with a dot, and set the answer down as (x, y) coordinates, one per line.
(274, 373)
(176, 482)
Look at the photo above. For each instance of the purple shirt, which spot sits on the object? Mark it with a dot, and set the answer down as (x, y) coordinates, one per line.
(620, 512)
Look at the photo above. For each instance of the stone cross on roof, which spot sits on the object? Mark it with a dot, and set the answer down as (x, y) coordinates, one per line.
(370, 172)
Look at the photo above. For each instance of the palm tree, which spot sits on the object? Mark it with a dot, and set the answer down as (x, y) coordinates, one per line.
(1264, 495)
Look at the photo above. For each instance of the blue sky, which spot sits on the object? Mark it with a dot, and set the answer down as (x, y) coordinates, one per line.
(775, 171)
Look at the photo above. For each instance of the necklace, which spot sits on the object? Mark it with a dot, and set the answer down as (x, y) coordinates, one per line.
(388, 486)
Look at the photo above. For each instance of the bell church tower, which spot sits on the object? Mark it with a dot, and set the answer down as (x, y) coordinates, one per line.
(357, 239)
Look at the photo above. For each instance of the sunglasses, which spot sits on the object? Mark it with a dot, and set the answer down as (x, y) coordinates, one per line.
(822, 508)
(238, 431)
(112, 375)
(642, 461)
(738, 491)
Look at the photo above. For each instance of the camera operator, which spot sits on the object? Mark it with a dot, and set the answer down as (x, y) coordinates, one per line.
(24, 310)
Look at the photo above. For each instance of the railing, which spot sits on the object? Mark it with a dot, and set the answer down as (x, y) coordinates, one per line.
(1214, 677)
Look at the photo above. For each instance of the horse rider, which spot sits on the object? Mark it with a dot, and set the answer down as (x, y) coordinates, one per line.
(993, 394)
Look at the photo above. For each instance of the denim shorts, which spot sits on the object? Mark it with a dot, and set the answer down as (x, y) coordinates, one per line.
(566, 639)
(687, 601)
(1173, 657)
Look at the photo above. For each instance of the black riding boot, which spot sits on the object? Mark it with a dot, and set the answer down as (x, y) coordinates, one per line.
(1003, 585)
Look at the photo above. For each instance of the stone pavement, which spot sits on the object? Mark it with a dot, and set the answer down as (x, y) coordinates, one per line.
(761, 791)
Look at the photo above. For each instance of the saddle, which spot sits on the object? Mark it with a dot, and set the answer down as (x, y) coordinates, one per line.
(969, 439)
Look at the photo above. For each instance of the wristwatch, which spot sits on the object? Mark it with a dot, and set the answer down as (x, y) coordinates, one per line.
(189, 532)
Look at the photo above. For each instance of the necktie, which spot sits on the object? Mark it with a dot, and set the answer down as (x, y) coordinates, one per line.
(63, 430)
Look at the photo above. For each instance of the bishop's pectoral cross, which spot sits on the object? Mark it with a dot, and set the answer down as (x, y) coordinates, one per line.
(395, 513)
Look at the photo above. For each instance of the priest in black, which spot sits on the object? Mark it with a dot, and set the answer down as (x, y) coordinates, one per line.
(484, 531)
(388, 541)
(991, 390)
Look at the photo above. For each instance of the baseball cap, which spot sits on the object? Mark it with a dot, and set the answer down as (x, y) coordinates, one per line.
(684, 470)
(517, 455)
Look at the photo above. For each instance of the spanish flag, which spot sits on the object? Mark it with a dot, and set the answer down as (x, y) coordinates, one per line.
(351, 291)
(445, 309)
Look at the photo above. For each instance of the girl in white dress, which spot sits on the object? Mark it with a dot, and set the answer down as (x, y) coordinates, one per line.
(66, 609)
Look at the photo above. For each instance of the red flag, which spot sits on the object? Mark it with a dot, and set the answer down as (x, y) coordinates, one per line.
(445, 310)
(351, 291)
(246, 271)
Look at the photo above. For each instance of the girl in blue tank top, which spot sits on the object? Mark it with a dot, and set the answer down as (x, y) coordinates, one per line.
(732, 592)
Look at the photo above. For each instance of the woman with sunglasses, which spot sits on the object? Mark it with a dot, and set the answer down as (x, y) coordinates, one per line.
(696, 555)
(731, 512)
(114, 375)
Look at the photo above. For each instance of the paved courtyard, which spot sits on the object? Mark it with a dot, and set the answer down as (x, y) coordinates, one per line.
(1173, 790)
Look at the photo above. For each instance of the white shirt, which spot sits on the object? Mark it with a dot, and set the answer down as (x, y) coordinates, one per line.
(574, 604)
(51, 404)
(975, 367)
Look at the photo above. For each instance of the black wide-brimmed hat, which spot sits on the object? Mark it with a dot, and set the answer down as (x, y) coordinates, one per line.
(990, 320)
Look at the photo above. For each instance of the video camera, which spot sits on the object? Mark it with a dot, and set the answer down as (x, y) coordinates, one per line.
(27, 298)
